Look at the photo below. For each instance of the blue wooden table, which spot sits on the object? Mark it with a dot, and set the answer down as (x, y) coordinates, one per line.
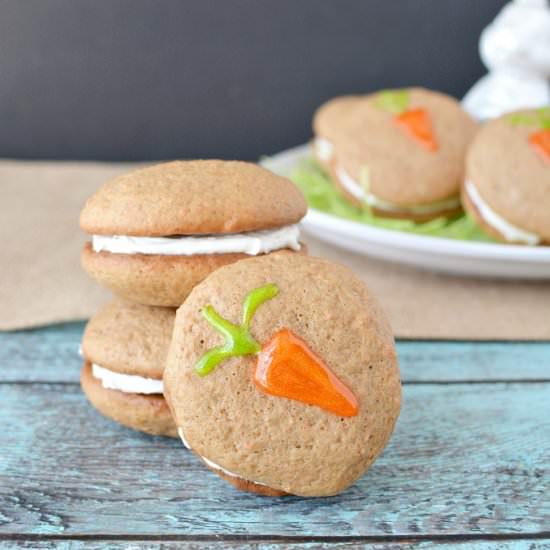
(467, 467)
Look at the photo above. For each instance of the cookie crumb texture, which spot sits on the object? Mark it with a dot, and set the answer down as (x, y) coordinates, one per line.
(287, 445)
(156, 280)
(129, 338)
(194, 197)
(152, 279)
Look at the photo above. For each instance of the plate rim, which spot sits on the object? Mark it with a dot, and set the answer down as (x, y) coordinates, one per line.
(411, 241)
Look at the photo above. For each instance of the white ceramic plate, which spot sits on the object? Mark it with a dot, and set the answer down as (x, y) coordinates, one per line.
(446, 255)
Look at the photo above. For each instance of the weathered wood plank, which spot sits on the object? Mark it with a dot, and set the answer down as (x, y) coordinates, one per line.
(51, 355)
(469, 458)
(319, 545)
(476, 361)
(48, 354)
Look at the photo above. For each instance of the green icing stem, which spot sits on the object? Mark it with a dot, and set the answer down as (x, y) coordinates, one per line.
(238, 340)
(544, 118)
(394, 101)
(540, 118)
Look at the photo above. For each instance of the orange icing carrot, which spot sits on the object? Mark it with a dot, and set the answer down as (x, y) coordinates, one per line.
(287, 367)
(417, 123)
(541, 142)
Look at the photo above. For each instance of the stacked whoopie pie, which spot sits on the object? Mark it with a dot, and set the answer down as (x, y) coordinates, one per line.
(278, 370)
(124, 348)
(156, 233)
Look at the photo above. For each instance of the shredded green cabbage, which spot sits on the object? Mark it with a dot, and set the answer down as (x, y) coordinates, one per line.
(322, 195)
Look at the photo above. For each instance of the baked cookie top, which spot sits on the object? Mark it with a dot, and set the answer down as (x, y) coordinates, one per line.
(305, 391)
(194, 197)
(508, 163)
(406, 146)
(129, 338)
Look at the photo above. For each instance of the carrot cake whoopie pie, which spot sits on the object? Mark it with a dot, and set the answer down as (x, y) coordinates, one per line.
(124, 348)
(158, 231)
(282, 375)
(507, 186)
(399, 153)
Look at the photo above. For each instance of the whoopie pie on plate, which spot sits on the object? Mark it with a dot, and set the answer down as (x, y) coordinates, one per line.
(507, 185)
(398, 152)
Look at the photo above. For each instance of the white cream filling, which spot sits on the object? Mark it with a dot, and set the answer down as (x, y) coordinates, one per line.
(251, 243)
(213, 464)
(509, 231)
(127, 383)
(359, 192)
(218, 467)
(325, 151)
(352, 187)
(183, 440)
(209, 462)
(323, 148)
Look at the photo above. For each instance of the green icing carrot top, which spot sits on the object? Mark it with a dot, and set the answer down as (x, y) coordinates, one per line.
(540, 118)
(540, 138)
(394, 101)
(238, 340)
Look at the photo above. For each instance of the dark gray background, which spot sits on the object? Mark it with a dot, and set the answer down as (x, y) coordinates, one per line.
(159, 79)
